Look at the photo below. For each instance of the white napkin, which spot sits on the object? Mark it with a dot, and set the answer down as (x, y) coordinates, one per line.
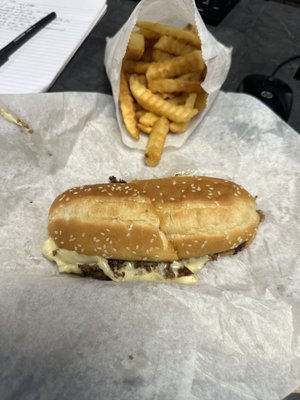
(233, 336)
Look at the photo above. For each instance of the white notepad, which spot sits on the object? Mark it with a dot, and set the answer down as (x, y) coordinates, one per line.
(38, 62)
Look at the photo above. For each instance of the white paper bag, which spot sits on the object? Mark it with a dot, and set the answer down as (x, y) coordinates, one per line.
(177, 13)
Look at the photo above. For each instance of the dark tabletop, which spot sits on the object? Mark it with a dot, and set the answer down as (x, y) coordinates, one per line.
(262, 34)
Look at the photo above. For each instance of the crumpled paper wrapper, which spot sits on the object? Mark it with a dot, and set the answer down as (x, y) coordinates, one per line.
(233, 336)
(180, 13)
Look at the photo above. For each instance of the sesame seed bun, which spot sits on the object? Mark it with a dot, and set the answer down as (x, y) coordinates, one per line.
(155, 220)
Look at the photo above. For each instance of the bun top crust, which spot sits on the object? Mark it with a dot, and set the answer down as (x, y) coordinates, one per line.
(158, 219)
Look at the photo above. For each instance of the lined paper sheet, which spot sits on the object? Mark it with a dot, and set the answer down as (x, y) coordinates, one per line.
(35, 65)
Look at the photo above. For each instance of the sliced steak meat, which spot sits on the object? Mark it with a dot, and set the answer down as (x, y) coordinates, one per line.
(113, 179)
(94, 271)
(184, 271)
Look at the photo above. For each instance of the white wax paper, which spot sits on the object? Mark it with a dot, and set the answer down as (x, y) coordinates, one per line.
(179, 13)
(234, 335)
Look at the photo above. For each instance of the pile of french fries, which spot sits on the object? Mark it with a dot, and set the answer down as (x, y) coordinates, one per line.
(160, 83)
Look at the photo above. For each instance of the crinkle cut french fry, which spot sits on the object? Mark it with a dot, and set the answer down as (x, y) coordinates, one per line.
(148, 119)
(176, 127)
(201, 100)
(191, 100)
(135, 67)
(191, 76)
(136, 46)
(156, 142)
(174, 86)
(144, 128)
(159, 55)
(173, 46)
(142, 79)
(157, 104)
(127, 107)
(149, 35)
(186, 36)
(176, 66)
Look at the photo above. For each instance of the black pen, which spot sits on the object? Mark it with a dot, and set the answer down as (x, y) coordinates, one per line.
(23, 37)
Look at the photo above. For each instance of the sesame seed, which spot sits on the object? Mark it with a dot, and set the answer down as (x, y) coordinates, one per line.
(83, 234)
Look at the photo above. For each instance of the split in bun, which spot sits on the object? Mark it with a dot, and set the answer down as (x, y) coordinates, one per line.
(148, 222)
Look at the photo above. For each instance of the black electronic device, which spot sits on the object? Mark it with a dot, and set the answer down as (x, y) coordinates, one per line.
(272, 91)
(213, 11)
(275, 93)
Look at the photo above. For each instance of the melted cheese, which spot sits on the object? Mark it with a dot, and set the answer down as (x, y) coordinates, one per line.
(68, 261)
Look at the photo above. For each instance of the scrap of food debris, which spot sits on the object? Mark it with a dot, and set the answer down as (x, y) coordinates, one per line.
(14, 120)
